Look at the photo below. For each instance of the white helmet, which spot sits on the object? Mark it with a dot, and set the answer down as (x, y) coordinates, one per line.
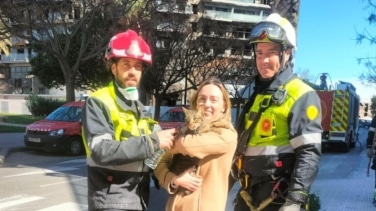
(274, 29)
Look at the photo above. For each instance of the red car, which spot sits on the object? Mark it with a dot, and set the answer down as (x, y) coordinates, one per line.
(172, 118)
(59, 131)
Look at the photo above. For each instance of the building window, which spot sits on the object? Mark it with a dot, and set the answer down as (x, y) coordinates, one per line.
(206, 29)
(195, 8)
(247, 50)
(247, 12)
(77, 13)
(19, 71)
(194, 26)
(20, 50)
(242, 33)
(239, 11)
(209, 8)
(163, 43)
(221, 9)
(236, 50)
(46, 12)
(219, 50)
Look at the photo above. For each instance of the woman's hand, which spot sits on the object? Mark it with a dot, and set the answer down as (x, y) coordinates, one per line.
(187, 180)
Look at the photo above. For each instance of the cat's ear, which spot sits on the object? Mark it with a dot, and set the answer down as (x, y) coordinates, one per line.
(184, 109)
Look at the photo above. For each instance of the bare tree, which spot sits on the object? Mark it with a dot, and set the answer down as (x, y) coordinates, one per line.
(41, 23)
(306, 75)
(185, 53)
(369, 62)
(176, 54)
(288, 9)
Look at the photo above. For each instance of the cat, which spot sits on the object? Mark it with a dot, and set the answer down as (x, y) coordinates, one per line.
(195, 123)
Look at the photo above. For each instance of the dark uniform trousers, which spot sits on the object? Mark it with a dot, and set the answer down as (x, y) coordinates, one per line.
(260, 192)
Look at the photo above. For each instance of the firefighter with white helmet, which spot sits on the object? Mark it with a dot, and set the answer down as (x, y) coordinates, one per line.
(118, 132)
(279, 145)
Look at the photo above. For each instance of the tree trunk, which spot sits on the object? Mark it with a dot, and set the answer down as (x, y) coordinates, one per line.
(69, 86)
(157, 106)
(70, 93)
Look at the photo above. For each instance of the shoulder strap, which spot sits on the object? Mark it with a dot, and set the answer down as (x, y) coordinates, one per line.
(245, 134)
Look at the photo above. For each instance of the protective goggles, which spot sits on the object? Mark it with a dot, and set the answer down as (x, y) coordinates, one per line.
(270, 30)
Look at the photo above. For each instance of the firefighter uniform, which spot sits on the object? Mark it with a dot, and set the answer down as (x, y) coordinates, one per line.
(280, 126)
(117, 176)
(284, 148)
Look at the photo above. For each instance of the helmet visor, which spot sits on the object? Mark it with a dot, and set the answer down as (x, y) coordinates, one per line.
(272, 30)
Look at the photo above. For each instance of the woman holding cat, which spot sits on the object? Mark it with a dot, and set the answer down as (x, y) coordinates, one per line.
(207, 182)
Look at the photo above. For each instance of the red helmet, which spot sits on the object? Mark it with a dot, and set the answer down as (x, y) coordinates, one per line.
(128, 45)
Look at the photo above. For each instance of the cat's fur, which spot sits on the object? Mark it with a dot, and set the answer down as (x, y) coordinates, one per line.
(195, 124)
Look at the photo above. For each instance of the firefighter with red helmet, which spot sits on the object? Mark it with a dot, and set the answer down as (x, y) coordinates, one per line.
(279, 129)
(118, 132)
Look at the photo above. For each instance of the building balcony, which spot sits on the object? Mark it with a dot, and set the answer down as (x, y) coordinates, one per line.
(231, 17)
(16, 58)
(175, 8)
(253, 3)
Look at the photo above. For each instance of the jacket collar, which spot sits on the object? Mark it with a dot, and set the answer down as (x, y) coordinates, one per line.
(280, 79)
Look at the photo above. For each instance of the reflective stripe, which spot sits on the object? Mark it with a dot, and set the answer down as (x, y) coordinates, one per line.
(124, 121)
(268, 150)
(372, 129)
(98, 139)
(313, 138)
(133, 167)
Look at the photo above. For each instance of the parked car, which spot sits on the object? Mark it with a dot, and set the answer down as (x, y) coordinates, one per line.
(172, 118)
(59, 131)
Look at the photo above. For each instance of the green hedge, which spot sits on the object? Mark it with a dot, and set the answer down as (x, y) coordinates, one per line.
(40, 106)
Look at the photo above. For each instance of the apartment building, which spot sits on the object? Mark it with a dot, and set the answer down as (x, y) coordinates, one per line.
(220, 19)
(224, 24)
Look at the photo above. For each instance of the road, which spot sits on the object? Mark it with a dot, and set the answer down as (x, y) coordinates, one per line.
(41, 181)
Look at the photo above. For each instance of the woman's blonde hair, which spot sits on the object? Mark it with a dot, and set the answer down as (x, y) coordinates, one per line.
(226, 97)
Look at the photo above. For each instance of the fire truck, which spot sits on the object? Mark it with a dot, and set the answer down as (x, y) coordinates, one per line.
(340, 114)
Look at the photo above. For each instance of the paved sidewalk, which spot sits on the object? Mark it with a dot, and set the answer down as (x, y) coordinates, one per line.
(342, 183)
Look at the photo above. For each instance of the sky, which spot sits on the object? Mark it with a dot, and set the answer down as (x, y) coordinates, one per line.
(326, 42)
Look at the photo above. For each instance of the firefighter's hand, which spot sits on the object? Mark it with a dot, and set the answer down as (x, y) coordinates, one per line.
(166, 138)
(290, 206)
(370, 153)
